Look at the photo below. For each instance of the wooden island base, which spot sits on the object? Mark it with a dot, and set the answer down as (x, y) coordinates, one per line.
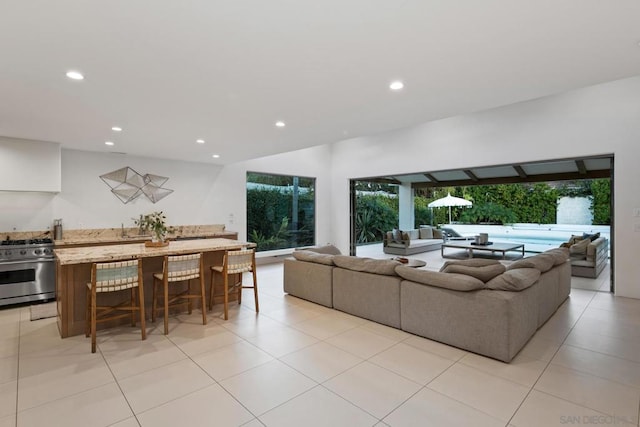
(73, 272)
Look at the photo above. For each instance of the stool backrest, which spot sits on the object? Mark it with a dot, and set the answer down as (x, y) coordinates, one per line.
(239, 261)
(182, 267)
(115, 276)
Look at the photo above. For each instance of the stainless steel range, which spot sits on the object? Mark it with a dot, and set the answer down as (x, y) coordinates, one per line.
(27, 271)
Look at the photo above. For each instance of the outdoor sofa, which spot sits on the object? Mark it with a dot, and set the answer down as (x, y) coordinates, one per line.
(409, 242)
(589, 254)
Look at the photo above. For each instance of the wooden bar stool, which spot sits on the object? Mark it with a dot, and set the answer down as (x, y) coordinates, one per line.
(114, 277)
(179, 268)
(235, 262)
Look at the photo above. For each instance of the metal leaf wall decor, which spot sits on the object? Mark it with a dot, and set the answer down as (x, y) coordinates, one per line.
(127, 185)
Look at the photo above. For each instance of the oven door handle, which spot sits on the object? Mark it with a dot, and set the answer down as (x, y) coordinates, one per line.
(27, 261)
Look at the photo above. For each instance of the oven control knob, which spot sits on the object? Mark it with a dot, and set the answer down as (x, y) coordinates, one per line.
(46, 251)
(38, 251)
(23, 252)
(7, 252)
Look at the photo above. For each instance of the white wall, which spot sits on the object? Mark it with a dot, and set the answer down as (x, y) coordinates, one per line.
(596, 120)
(203, 193)
(27, 165)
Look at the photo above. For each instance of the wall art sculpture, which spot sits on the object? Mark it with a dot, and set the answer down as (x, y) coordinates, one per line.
(127, 185)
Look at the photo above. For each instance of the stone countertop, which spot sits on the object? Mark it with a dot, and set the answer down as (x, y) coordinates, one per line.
(84, 255)
(89, 240)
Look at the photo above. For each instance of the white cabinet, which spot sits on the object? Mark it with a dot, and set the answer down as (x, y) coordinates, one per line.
(27, 165)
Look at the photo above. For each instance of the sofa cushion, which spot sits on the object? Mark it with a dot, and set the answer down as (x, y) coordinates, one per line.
(484, 273)
(456, 282)
(591, 237)
(437, 234)
(327, 249)
(560, 255)
(310, 256)
(471, 262)
(426, 233)
(579, 247)
(543, 262)
(367, 265)
(516, 279)
(396, 235)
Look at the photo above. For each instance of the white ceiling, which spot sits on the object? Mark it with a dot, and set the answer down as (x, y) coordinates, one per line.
(170, 72)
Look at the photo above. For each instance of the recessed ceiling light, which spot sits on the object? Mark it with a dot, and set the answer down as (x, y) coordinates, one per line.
(109, 143)
(397, 85)
(216, 156)
(75, 75)
(200, 141)
(280, 124)
(116, 129)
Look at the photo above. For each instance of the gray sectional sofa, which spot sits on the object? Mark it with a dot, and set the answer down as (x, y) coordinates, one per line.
(411, 242)
(478, 305)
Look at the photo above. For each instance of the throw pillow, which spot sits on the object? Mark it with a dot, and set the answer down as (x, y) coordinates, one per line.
(542, 262)
(397, 235)
(514, 280)
(426, 233)
(367, 265)
(315, 257)
(453, 281)
(484, 273)
(591, 237)
(437, 234)
(579, 247)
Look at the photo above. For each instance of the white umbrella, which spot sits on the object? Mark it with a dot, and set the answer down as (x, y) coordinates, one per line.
(448, 202)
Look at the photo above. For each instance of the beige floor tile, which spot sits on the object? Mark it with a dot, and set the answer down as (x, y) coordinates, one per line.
(9, 347)
(8, 368)
(10, 315)
(321, 361)
(521, 369)
(618, 347)
(8, 398)
(555, 329)
(603, 322)
(99, 407)
(590, 391)
(627, 306)
(317, 407)
(206, 407)
(541, 409)
(394, 334)
(43, 379)
(281, 341)
(414, 364)
(231, 360)
(540, 348)
(253, 423)
(487, 393)
(429, 408)
(129, 422)
(194, 345)
(127, 358)
(8, 421)
(326, 325)
(291, 314)
(250, 326)
(599, 365)
(267, 386)
(157, 386)
(50, 344)
(443, 350)
(361, 342)
(373, 388)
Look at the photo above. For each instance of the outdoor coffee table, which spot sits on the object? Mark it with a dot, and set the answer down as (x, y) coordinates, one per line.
(413, 263)
(494, 247)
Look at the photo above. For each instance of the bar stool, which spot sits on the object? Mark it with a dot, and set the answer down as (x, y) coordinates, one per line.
(179, 268)
(235, 262)
(114, 277)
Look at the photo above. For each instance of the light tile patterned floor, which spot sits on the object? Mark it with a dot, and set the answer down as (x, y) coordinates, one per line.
(297, 363)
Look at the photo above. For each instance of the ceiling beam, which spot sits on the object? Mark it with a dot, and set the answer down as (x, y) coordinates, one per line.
(520, 171)
(550, 177)
(431, 177)
(582, 169)
(470, 174)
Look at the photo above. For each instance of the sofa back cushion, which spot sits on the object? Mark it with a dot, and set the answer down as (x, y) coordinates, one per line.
(543, 262)
(426, 233)
(484, 273)
(579, 249)
(516, 279)
(559, 255)
(327, 249)
(385, 267)
(453, 281)
(310, 256)
(471, 262)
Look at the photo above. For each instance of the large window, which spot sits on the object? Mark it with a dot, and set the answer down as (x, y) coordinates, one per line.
(280, 211)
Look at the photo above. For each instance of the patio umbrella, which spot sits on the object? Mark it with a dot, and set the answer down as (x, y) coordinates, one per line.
(448, 202)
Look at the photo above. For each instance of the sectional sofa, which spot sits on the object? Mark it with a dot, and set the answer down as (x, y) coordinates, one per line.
(479, 305)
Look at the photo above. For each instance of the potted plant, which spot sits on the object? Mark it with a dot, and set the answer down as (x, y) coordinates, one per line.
(154, 223)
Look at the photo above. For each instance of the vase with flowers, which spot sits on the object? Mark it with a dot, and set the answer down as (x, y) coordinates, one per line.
(155, 223)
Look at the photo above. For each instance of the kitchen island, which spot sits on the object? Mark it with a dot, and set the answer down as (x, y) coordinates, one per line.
(73, 272)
